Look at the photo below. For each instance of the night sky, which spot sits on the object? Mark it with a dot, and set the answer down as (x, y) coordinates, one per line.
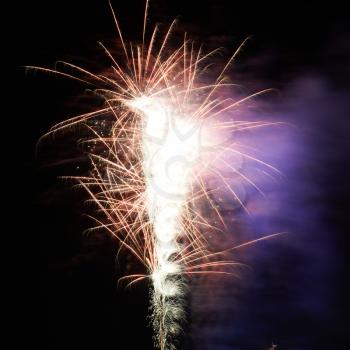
(295, 291)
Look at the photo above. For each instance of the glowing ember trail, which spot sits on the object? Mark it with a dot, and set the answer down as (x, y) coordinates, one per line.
(150, 169)
(166, 167)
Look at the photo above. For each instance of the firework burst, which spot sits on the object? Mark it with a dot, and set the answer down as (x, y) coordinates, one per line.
(161, 147)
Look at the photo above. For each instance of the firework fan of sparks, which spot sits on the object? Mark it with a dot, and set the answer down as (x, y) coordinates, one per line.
(161, 148)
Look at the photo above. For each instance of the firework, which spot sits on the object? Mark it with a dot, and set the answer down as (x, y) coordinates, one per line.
(161, 147)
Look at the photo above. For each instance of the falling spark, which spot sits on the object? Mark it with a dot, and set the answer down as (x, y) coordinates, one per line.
(161, 147)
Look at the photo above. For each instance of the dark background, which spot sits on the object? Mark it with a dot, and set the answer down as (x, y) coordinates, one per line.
(67, 295)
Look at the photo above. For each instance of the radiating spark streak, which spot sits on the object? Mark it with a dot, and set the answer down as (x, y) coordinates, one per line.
(99, 77)
(254, 241)
(245, 155)
(238, 50)
(131, 277)
(148, 182)
(246, 178)
(230, 189)
(246, 126)
(149, 51)
(144, 26)
(119, 32)
(237, 103)
(212, 204)
(53, 71)
(215, 272)
(158, 57)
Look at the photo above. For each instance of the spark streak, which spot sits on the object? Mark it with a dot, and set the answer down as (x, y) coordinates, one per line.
(160, 149)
